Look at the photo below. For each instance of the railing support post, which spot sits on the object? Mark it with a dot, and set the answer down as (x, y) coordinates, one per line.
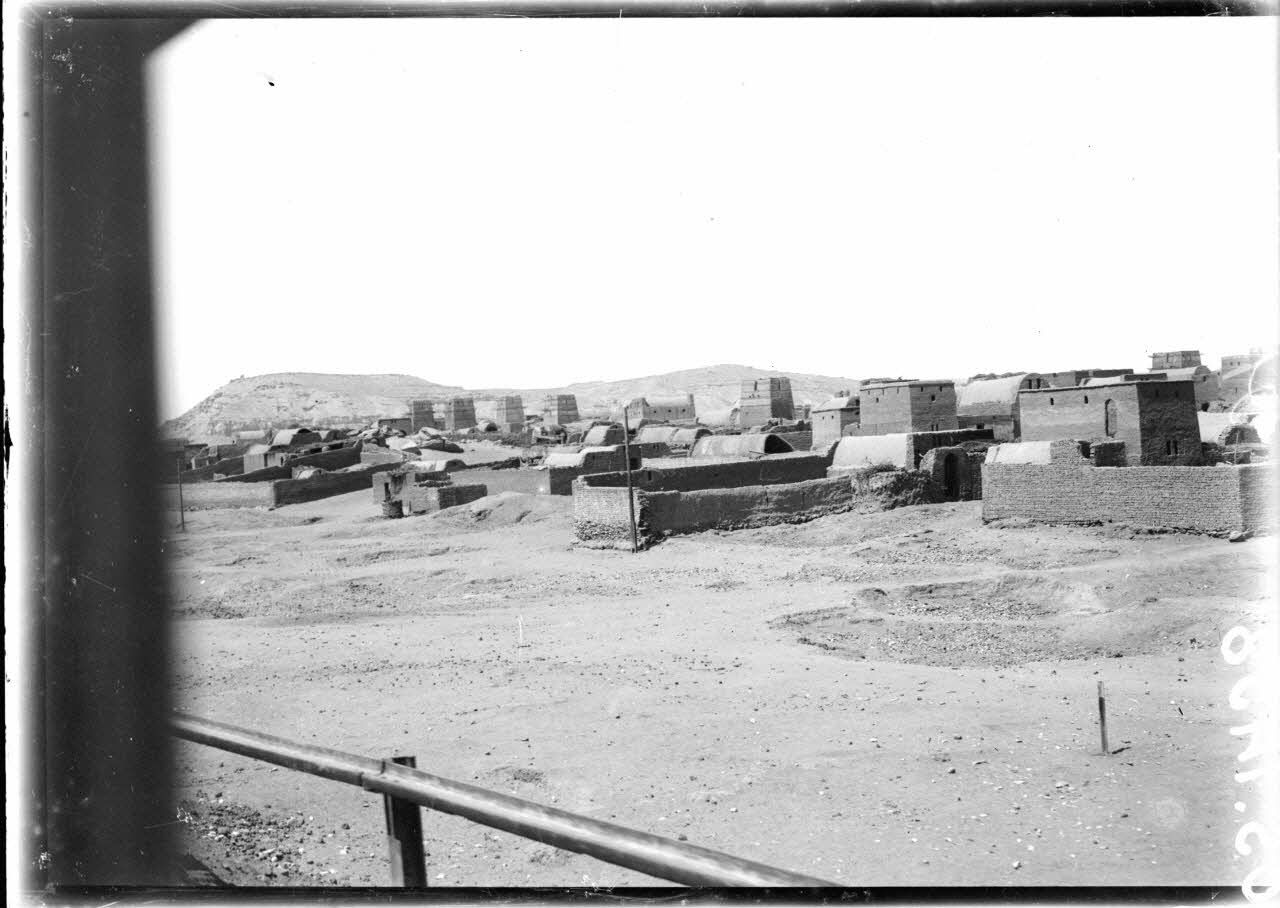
(404, 837)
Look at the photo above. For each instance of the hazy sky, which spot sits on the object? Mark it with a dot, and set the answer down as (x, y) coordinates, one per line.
(530, 203)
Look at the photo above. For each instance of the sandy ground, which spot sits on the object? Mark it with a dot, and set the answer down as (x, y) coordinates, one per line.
(905, 698)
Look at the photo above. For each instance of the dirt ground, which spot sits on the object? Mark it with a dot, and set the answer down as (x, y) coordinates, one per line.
(902, 698)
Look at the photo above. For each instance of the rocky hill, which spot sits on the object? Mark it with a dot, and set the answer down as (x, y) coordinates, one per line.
(319, 399)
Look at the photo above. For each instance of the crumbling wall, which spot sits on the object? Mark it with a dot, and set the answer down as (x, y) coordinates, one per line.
(228, 466)
(952, 470)
(747, 506)
(326, 460)
(601, 518)
(557, 479)
(326, 485)
(885, 490)
(688, 475)
(1220, 499)
(600, 514)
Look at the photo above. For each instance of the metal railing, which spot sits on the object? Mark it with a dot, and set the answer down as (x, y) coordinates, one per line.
(654, 855)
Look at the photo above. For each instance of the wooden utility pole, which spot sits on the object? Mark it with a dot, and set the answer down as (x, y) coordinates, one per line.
(182, 510)
(631, 500)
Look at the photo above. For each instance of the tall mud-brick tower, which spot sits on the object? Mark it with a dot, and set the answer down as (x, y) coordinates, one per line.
(459, 413)
(423, 414)
(508, 413)
(762, 399)
(560, 409)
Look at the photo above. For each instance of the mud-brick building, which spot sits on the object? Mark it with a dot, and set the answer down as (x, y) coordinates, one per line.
(1175, 359)
(831, 417)
(395, 423)
(1205, 381)
(459, 413)
(914, 405)
(422, 414)
(993, 404)
(666, 408)
(1155, 419)
(1073, 377)
(508, 413)
(1245, 373)
(765, 398)
(560, 409)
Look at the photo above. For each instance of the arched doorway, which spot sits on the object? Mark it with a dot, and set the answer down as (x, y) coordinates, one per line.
(1109, 418)
(951, 476)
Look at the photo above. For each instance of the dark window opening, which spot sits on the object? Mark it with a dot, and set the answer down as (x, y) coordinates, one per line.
(1051, 401)
(933, 397)
(1086, 398)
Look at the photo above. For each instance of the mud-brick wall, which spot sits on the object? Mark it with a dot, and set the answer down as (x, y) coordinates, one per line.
(1080, 413)
(1168, 412)
(694, 475)
(1004, 428)
(377, 454)
(750, 506)
(559, 480)
(600, 515)
(829, 426)
(1258, 505)
(601, 518)
(452, 496)
(326, 485)
(1208, 499)
(933, 408)
(228, 466)
(325, 460)
(205, 495)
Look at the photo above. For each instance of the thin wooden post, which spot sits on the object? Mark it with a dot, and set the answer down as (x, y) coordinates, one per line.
(182, 509)
(404, 837)
(631, 501)
(1102, 718)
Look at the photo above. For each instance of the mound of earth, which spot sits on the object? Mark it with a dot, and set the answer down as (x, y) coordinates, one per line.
(1011, 620)
(501, 509)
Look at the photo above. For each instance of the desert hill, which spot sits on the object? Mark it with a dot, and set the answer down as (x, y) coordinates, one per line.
(321, 399)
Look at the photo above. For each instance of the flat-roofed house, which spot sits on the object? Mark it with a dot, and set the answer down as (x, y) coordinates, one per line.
(909, 405)
(1155, 419)
(831, 417)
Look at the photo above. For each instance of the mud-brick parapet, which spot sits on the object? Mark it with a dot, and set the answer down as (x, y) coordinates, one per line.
(1064, 482)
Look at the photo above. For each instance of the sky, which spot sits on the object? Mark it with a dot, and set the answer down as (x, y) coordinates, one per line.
(531, 203)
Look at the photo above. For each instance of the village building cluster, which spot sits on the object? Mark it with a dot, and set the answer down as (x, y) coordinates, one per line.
(1174, 446)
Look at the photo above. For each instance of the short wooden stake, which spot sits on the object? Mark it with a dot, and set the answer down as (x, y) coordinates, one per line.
(404, 837)
(1102, 718)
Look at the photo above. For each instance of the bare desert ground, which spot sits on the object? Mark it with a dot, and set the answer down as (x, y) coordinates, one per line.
(900, 698)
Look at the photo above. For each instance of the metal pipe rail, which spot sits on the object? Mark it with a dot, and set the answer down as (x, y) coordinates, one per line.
(650, 854)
